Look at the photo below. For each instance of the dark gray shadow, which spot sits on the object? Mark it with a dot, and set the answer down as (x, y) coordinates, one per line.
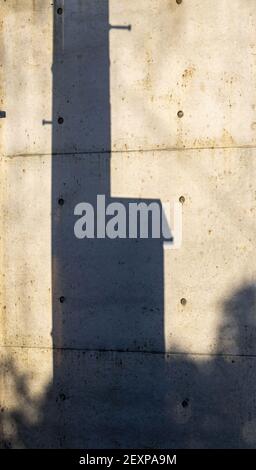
(144, 400)
(112, 289)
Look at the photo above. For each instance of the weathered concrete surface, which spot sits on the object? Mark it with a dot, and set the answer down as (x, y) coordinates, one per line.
(197, 57)
(132, 399)
(192, 57)
(26, 316)
(26, 78)
(94, 371)
(213, 263)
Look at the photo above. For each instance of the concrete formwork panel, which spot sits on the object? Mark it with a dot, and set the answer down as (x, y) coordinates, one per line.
(212, 269)
(142, 400)
(190, 57)
(119, 362)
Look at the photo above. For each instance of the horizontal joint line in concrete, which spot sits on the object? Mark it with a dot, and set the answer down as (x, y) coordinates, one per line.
(123, 351)
(97, 152)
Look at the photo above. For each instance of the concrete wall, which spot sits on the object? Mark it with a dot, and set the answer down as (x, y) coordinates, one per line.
(121, 362)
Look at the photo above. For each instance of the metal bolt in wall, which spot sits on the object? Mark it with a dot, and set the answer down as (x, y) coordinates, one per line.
(185, 403)
(61, 201)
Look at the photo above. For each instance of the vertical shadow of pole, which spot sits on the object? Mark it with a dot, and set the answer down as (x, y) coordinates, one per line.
(107, 296)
